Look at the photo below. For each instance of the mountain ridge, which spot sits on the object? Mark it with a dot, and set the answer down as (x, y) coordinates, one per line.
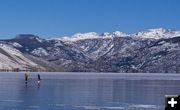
(150, 51)
(157, 33)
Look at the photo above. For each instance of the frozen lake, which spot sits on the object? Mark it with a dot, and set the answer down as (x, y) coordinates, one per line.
(87, 91)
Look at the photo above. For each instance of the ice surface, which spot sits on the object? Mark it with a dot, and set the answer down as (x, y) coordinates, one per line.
(86, 91)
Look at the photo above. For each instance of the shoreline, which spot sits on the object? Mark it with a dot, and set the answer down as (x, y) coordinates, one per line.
(76, 75)
(92, 73)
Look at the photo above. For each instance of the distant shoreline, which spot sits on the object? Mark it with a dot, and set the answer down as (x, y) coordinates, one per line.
(83, 76)
(87, 73)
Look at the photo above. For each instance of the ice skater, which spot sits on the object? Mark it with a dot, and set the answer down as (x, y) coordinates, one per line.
(39, 79)
(26, 78)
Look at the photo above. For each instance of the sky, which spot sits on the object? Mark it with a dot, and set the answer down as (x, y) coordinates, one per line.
(56, 18)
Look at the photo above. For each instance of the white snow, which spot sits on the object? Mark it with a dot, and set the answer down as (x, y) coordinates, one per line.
(158, 33)
(39, 40)
(120, 34)
(15, 44)
(91, 35)
(147, 34)
(40, 52)
(11, 58)
(81, 36)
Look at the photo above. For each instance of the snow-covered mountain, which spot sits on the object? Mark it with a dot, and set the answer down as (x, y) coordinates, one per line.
(153, 50)
(91, 35)
(13, 59)
(158, 33)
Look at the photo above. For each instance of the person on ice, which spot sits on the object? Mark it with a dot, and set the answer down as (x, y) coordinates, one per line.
(26, 77)
(39, 78)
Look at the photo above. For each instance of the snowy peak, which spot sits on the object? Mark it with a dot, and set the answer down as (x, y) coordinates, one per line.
(81, 36)
(119, 34)
(158, 33)
(92, 35)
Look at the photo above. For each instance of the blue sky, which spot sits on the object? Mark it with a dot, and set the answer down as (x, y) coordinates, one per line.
(54, 18)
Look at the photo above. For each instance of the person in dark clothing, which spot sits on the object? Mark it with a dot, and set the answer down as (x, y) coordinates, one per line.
(39, 78)
(26, 77)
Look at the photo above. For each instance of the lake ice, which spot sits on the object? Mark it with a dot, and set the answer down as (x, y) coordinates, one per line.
(87, 91)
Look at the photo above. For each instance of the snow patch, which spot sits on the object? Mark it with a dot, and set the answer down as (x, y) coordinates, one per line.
(39, 39)
(40, 52)
(15, 44)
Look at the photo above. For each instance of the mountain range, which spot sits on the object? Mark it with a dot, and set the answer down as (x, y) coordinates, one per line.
(150, 51)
